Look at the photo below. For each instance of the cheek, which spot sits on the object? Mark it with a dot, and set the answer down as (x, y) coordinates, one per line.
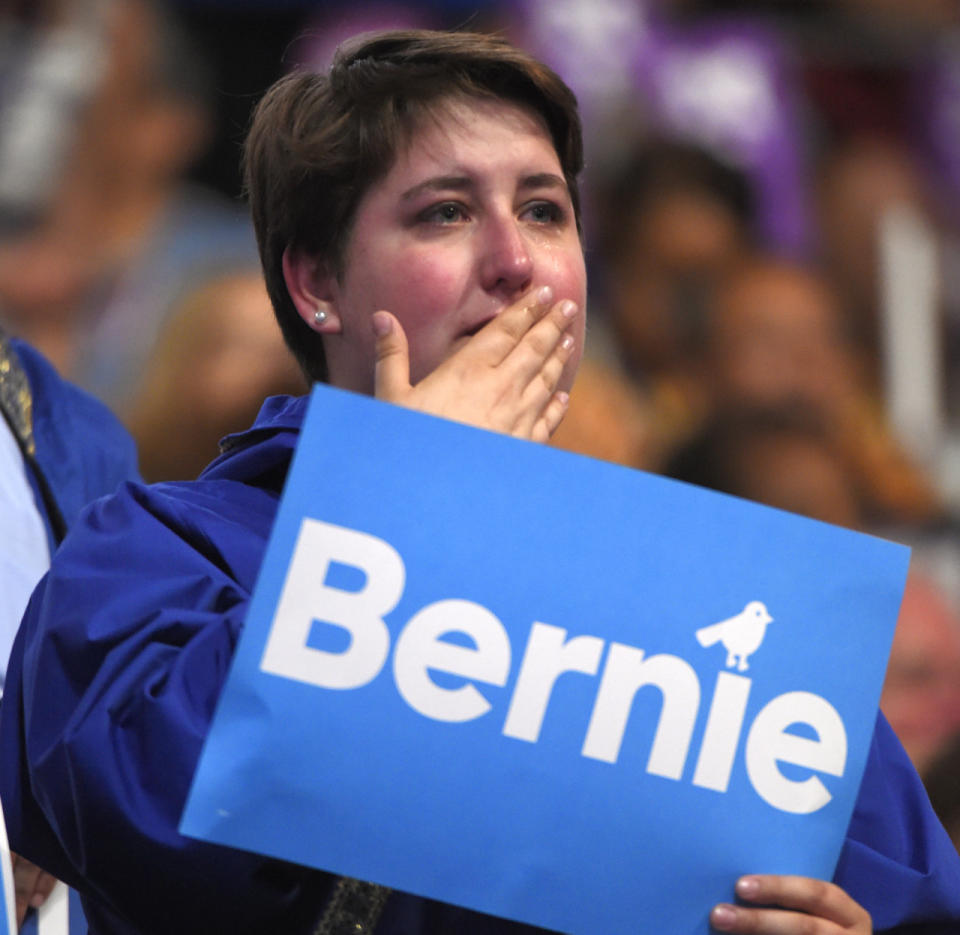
(420, 288)
(565, 270)
(565, 255)
(566, 274)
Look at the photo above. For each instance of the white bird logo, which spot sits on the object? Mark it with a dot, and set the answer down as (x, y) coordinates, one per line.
(741, 635)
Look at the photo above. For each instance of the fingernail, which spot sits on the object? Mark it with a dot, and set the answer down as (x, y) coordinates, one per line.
(723, 916)
(747, 887)
(563, 398)
(382, 324)
(567, 342)
(568, 309)
(545, 295)
(37, 900)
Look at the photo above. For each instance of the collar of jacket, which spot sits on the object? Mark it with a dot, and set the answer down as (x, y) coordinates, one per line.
(16, 401)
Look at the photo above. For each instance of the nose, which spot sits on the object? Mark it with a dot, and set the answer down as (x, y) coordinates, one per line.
(506, 264)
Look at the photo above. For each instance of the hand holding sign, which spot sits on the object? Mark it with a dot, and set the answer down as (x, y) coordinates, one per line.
(505, 377)
(808, 906)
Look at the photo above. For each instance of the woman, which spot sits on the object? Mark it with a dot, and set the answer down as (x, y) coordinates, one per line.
(418, 222)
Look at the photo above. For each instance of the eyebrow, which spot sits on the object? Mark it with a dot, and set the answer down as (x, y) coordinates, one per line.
(464, 183)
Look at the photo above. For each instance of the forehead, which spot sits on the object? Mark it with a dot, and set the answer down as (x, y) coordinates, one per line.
(476, 133)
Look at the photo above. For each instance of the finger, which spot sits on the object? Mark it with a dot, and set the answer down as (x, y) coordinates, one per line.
(527, 360)
(810, 907)
(747, 920)
(24, 876)
(547, 375)
(550, 418)
(391, 375)
(502, 334)
(42, 889)
(815, 897)
(540, 391)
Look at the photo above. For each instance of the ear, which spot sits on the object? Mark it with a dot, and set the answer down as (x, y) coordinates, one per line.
(311, 286)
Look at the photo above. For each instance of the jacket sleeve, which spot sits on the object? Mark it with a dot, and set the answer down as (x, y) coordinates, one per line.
(114, 679)
(898, 861)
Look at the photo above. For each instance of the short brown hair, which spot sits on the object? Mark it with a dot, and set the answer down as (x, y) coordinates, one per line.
(317, 142)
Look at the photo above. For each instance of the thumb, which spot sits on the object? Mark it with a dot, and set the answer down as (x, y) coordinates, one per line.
(391, 374)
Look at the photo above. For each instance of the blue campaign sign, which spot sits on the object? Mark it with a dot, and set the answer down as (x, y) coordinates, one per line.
(541, 686)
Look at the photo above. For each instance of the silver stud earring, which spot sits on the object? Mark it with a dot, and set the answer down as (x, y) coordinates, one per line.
(319, 316)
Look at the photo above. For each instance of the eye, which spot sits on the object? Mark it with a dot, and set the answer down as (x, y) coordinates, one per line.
(544, 212)
(447, 212)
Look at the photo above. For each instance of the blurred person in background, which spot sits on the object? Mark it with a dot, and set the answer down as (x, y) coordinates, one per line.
(921, 693)
(782, 456)
(88, 273)
(775, 335)
(218, 356)
(670, 222)
(59, 449)
(943, 784)
(860, 180)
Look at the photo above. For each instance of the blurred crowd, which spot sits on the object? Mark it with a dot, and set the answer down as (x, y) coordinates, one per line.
(772, 203)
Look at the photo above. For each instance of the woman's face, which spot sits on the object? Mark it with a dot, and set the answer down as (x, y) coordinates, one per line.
(474, 213)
